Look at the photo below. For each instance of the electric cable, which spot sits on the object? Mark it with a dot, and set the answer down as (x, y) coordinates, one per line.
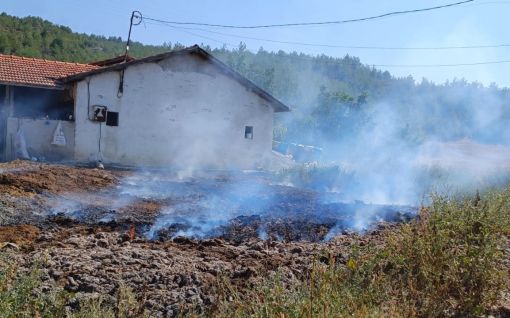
(335, 60)
(311, 23)
(459, 47)
(197, 35)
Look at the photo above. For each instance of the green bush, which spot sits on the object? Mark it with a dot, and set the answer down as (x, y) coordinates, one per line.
(19, 295)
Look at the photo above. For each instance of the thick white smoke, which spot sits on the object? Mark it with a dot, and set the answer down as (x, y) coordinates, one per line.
(454, 139)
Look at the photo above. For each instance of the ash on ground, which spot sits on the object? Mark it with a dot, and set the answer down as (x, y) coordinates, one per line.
(233, 206)
(172, 238)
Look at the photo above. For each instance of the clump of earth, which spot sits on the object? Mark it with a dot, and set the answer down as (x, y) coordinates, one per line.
(173, 238)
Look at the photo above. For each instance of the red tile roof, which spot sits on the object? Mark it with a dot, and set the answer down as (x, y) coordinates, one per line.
(27, 71)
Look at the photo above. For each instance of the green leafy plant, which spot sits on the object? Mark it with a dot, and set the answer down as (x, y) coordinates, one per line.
(20, 294)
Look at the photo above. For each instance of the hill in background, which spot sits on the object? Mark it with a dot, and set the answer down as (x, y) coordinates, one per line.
(334, 100)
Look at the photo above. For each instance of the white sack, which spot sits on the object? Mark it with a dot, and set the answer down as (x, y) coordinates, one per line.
(59, 139)
(20, 145)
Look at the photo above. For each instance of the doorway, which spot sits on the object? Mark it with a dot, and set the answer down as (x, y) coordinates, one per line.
(4, 114)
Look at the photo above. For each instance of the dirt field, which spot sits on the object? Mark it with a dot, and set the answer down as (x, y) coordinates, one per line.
(168, 237)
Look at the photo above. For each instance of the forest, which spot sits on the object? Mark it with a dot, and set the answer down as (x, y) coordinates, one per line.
(332, 99)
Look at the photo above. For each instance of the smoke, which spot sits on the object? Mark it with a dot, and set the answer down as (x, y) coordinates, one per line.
(380, 156)
(238, 204)
(208, 202)
(401, 147)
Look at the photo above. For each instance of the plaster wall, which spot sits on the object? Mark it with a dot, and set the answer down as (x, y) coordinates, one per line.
(179, 112)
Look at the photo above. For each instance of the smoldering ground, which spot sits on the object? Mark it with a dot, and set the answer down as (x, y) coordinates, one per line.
(236, 206)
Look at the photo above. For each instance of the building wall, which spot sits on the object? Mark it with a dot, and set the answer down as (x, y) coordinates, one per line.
(180, 112)
(38, 137)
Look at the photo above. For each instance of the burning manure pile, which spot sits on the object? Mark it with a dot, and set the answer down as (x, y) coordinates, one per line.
(168, 238)
(242, 206)
(173, 241)
(161, 206)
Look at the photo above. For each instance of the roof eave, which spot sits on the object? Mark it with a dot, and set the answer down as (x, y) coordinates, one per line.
(121, 66)
(20, 84)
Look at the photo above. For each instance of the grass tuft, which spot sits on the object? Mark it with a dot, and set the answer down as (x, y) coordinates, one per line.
(21, 295)
(445, 263)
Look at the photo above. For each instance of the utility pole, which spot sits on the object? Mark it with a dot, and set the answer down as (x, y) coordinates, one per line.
(136, 19)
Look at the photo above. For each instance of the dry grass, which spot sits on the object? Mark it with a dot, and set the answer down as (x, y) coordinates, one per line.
(445, 263)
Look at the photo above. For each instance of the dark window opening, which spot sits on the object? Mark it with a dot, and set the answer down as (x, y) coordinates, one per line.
(248, 132)
(3, 94)
(32, 102)
(112, 118)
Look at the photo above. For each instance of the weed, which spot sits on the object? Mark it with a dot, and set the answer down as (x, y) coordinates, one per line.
(445, 263)
(21, 296)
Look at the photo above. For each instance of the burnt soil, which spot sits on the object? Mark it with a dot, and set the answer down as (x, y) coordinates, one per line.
(169, 238)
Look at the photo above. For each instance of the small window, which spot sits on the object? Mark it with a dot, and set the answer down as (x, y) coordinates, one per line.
(248, 132)
(112, 118)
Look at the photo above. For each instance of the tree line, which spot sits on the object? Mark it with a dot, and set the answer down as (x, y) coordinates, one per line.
(332, 99)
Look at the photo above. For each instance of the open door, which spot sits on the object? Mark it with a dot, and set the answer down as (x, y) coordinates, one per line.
(4, 114)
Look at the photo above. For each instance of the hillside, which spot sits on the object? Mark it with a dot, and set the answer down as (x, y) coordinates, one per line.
(35, 37)
(333, 99)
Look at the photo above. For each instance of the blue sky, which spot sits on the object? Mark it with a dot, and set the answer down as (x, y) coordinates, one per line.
(481, 22)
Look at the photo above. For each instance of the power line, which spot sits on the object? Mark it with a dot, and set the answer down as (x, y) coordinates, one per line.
(311, 58)
(486, 3)
(442, 65)
(335, 60)
(197, 35)
(343, 46)
(311, 23)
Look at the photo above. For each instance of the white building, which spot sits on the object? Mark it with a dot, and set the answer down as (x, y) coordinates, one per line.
(177, 109)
